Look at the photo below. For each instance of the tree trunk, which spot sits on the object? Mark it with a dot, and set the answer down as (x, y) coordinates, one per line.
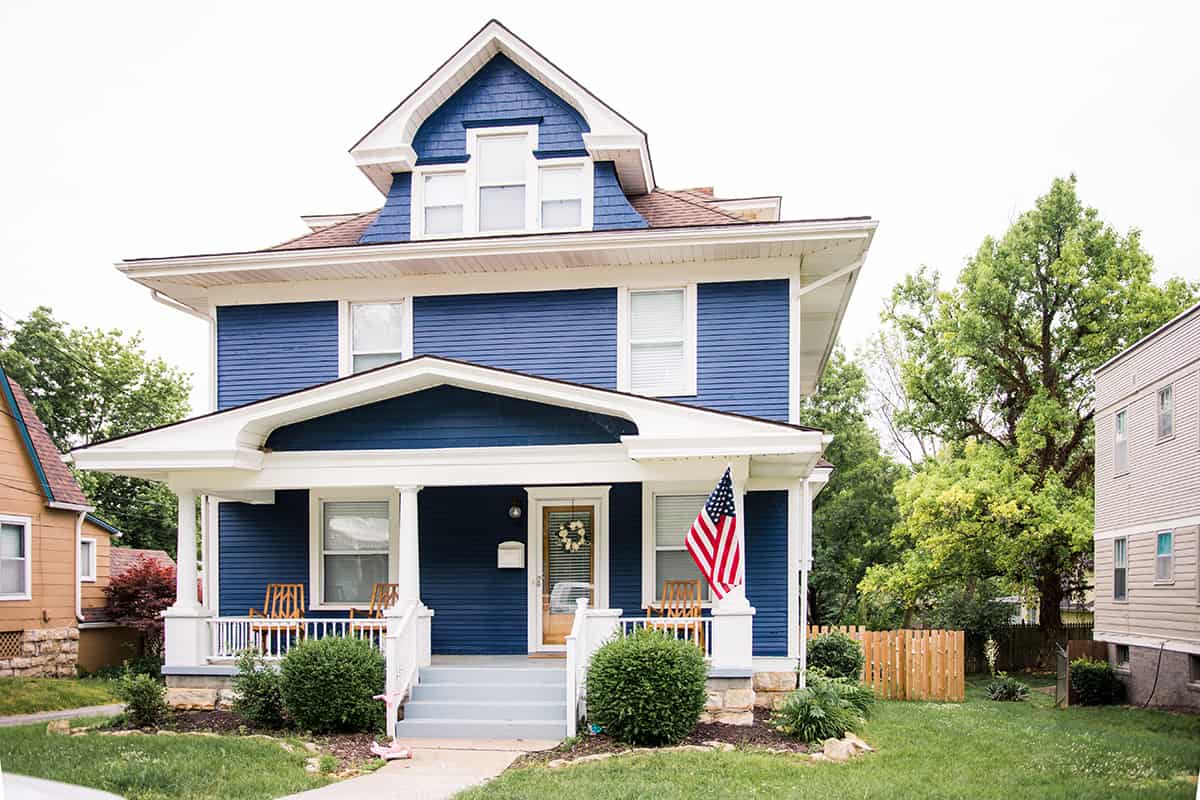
(1050, 618)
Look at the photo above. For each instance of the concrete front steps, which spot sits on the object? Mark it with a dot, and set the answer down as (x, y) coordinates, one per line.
(487, 702)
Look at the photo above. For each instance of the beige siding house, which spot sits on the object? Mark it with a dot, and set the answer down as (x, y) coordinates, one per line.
(1148, 513)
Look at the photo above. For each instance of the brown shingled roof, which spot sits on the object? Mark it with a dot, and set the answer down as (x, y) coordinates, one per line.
(122, 558)
(340, 235)
(60, 483)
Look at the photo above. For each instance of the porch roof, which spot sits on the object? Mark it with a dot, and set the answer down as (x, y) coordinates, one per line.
(227, 449)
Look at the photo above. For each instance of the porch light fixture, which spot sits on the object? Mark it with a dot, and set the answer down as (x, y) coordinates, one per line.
(515, 511)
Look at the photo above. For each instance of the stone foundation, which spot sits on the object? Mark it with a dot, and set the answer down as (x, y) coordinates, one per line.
(772, 688)
(730, 701)
(200, 692)
(45, 653)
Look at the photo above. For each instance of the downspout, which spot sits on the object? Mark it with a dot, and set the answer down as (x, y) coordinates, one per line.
(79, 546)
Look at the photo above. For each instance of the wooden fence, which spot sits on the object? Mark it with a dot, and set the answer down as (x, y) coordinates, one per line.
(1020, 646)
(909, 664)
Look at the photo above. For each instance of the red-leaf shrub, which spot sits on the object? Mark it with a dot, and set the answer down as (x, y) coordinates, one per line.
(138, 596)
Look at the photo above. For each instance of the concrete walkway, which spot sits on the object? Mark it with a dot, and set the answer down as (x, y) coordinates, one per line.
(66, 713)
(439, 768)
(20, 787)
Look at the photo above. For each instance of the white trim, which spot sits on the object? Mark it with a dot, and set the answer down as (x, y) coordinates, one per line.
(346, 352)
(316, 574)
(92, 577)
(540, 496)
(1174, 645)
(25, 522)
(690, 344)
(212, 556)
(1148, 527)
(775, 663)
(795, 511)
(795, 342)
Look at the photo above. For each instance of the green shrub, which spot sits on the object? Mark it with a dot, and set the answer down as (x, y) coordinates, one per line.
(836, 655)
(1006, 688)
(147, 664)
(647, 689)
(859, 695)
(144, 698)
(256, 684)
(1095, 683)
(819, 711)
(328, 684)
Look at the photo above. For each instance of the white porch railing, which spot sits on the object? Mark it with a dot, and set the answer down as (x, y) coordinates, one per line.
(407, 649)
(577, 664)
(691, 629)
(274, 637)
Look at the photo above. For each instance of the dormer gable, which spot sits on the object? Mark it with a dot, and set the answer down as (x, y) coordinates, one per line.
(500, 141)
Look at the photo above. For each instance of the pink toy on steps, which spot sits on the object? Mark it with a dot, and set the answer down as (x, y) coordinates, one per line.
(395, 750)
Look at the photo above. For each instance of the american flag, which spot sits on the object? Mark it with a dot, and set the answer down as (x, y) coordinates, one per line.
(713, 540)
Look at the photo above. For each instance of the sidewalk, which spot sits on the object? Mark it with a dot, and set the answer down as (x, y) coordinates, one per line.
(439, 769)
(66, 713)
(20, 787)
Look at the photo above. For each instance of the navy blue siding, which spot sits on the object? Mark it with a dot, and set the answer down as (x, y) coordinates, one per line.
(742, 352)
(610, 208)
(265, 350)
(570, 335)
(449, 416)
(767, 570)
(261, 545)
(478, 608)
(394, 221)
(625, 548)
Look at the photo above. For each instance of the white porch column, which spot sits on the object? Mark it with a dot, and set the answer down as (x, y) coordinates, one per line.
(186, 634)
(806, 558)
(733, 616)
(409, 555)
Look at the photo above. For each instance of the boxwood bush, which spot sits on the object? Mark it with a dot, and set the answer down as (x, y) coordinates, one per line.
(259, 700)
(144, 698)
(646, 689)
(836, 655)
(328, 684)
(1095, 683)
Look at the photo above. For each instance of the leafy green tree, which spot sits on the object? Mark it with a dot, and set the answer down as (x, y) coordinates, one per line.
(854, 514)
(88, 385)
(1005, 359)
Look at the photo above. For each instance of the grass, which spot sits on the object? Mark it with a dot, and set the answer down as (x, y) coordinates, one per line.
(978, 749)
(27, 695)
(186, 767)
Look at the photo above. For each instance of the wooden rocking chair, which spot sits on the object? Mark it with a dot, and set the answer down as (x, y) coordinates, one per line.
(283, 608)
(680, 600)
(371, 621)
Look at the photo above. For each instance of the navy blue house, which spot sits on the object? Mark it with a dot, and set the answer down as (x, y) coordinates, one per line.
(480, 418)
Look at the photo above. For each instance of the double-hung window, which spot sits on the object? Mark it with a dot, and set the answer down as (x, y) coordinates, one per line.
(673, 518)
(87, 560)
(1166, 412)
(354, 540)
(501, 174)
(376, 335)
(1121, 442)
(1120, 568)
(1164, 556)
(16, 542)
(562, 190)
(445, 196)
(660, 356)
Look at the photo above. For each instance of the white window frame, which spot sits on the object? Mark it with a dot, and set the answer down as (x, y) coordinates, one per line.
(470, 170)
(316, 556)
(26, 523)
(1158, 413)
(346, 351)
(1170, 578)
(1120, 438)
(650, 582)
(688, 386)
(1125, 546)
(90, 575)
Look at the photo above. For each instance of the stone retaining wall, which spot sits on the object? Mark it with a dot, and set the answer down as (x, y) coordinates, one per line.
(772, 688)
(45, 653)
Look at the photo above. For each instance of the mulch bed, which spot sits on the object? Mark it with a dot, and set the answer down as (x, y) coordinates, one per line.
(760, 735)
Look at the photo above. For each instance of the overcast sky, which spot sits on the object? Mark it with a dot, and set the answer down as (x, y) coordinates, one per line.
(144, 129)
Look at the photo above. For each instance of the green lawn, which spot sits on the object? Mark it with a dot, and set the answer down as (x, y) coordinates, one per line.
(187, 767)
(979, 749)
(26, 695)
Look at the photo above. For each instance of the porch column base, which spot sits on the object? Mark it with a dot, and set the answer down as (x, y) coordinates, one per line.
(733, 638)
(186, 636)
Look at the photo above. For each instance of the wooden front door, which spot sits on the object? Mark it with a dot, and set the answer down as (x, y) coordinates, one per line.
(568, 569)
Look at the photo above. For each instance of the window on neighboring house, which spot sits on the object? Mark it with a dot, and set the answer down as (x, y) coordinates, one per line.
(377, 335)
(87, 560)
(1122, 656)
(1164, 557)
(1193, 668)
(1120, 568)
(501, 174)
(354, 549)
(15, 545)
(1121, 442)
(673, 518)
(661, 358)
(562, 197)
(1166, 412)
(445, 194)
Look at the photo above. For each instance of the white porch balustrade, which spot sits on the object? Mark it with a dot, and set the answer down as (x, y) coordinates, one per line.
(274, 638)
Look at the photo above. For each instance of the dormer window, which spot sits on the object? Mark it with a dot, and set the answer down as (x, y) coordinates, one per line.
(502, 187)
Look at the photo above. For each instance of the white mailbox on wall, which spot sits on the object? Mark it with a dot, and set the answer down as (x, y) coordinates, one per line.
(510, 555)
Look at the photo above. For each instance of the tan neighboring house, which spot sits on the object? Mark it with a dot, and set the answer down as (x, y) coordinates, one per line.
(1148, 513)
(54, 553)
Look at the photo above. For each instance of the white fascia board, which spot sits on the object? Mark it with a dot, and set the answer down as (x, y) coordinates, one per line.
(143, 460)
(701, 446)
(502, 246)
